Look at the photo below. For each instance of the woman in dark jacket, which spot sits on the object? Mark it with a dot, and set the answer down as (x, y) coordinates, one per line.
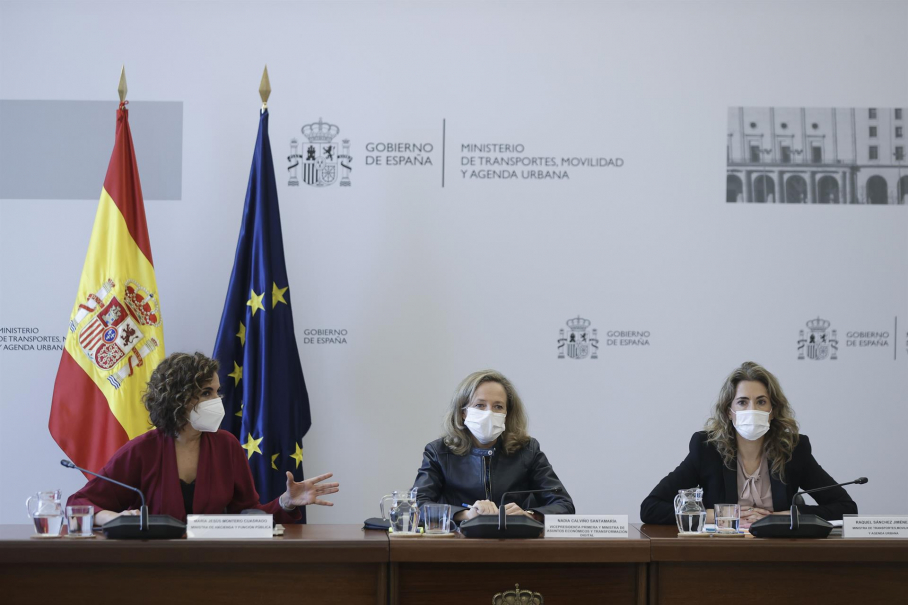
(750, 454)
(486, 452)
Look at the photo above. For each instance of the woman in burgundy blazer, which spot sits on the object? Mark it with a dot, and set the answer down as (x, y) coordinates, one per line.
(186, 465)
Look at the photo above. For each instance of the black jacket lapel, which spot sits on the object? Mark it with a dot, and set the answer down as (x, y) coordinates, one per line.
(780, 500)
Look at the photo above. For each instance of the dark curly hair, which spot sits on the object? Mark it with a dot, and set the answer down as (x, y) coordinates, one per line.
(173, 385)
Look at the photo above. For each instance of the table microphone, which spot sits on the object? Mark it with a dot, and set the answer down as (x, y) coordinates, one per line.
(797, 499)
(503, 518)
(143, 511)
(521, 526)
(156, 527)
(797, 525)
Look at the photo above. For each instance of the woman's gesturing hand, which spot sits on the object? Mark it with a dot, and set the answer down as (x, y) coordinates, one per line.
(308, 491)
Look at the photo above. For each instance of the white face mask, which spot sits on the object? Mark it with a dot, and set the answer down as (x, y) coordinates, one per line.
(485, 425)
(752, 424)
(207, 416)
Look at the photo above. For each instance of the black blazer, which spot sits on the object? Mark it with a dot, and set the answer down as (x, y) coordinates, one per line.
(481, 474)
(704, 467)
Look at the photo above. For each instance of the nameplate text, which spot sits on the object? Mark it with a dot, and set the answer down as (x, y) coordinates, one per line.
(586, 526)
(855, 526)
(213, 527)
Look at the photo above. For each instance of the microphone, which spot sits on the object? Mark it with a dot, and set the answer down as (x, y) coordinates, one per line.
(798, 525)
(503, 518)
(161, 526)
(143, 511)
(487, 526)
(798, 500)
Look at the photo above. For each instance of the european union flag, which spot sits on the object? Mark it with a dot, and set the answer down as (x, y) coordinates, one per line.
(264, 393)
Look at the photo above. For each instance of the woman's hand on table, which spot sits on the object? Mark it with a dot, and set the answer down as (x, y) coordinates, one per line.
(480, 507)
(105, 516)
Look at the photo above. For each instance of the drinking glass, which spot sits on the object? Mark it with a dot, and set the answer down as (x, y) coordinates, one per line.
(79, 520)
(727, 518)
(438, 518)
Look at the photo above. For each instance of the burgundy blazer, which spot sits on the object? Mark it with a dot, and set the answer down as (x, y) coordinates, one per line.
(223, 482)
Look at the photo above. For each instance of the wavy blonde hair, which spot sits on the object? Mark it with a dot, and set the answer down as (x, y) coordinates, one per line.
(459, 439)
(778, 443)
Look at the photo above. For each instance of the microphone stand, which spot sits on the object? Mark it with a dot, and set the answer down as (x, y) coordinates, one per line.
(143, 511)
(797, 499)
(797, 526)
(503, 518)
(150, 527)
(487, 526)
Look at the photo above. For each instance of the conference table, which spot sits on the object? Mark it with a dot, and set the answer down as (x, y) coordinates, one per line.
(345, 564)
(459, 570)
(308, 564)
(742, 571)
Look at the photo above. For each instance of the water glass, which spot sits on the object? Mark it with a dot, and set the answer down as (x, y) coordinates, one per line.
(80, 520)
(727, 518)
(438, 518)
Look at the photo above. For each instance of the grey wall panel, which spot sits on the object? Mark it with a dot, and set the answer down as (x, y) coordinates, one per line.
(60, 149)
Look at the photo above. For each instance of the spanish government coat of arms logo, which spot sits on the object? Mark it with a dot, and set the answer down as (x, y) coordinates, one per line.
(111, 330)
(820, 343)
(320, 161)
(580, 340)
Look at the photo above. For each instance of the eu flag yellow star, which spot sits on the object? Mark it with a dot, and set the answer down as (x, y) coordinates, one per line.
(240, 413)
(298, 455)
(252, 445)
(255, 301)
(236, 374)
(242, 333)
(273, 458)
(277, 295)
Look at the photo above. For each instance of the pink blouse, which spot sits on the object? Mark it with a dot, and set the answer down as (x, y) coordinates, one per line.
(755, 490)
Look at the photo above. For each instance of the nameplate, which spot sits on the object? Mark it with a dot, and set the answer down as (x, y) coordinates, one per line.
(586, 526)
(213, 527)
(854, 526)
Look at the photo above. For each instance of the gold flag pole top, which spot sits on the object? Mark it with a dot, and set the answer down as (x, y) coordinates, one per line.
(121, 88)
(265, 89)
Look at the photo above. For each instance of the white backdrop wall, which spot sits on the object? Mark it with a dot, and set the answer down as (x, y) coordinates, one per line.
(434, 282)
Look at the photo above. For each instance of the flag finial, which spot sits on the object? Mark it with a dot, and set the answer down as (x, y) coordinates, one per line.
(265, 89)
(121, 87)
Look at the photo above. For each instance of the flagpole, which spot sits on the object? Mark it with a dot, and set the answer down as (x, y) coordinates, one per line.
(265, 89)
(121, 87)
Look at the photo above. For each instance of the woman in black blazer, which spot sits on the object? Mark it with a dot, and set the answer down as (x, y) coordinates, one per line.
(750, 454)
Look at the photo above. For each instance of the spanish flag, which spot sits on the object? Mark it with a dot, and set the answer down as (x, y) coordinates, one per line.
(115, 336)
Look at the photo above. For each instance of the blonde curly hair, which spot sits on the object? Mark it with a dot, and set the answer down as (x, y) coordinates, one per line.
(781, 439)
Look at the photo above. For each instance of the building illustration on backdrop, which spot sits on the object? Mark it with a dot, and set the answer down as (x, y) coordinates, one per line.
(817, 155)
